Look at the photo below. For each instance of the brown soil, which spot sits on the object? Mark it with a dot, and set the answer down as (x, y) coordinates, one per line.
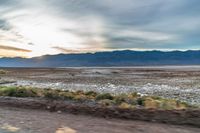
(178, 117)
(38, 121)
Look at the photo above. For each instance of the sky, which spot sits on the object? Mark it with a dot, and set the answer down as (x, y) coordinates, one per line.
(30, 28)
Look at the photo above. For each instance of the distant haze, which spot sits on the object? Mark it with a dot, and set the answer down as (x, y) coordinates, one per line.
(30, 28)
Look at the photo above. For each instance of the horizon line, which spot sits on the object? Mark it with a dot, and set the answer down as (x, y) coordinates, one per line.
(106, 51)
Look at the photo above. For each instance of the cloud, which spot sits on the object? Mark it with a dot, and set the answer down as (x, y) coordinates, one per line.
(2, 47)
(54, 26)
(4, 25)
(150, 22)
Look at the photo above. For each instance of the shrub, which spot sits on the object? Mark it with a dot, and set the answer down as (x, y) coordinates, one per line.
(106, 102)
(80, 92)
(125, 105)
(91, 93)
(104, 96)
(80, 97)
(134, 95)
(151, 103)
(3, 72)
(66, 95)
(51, 94)
(122, 101)
(141, 101)
(119, 99)
(18, 92)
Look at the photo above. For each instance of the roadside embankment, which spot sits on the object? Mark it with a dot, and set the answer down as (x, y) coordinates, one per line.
(126, 106)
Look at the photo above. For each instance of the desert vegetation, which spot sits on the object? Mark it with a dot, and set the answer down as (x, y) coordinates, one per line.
(130, 101)
(2, 72)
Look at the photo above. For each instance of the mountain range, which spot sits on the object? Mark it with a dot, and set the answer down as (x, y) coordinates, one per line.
(107, 59)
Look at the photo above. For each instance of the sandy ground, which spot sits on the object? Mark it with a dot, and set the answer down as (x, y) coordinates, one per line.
(36, 121)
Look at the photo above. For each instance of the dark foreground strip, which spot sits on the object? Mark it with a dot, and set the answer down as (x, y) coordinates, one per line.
(178, 117)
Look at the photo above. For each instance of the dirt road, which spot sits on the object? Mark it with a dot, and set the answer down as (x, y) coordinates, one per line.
(36, 121)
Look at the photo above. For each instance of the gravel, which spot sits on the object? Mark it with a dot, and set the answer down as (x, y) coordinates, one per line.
(190, 95)
(177, 82)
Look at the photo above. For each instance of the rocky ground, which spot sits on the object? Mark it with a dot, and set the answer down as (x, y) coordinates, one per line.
(171, 82)
(15, 120)
(182, 83)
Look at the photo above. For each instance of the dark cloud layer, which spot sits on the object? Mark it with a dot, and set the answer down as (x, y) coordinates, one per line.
(180, 18)
(4, 25)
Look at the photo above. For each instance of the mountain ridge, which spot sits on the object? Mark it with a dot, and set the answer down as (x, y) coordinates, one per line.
(107, 59)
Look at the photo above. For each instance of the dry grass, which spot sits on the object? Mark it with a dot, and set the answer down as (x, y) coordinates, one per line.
(2, 72)
(125, 101)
